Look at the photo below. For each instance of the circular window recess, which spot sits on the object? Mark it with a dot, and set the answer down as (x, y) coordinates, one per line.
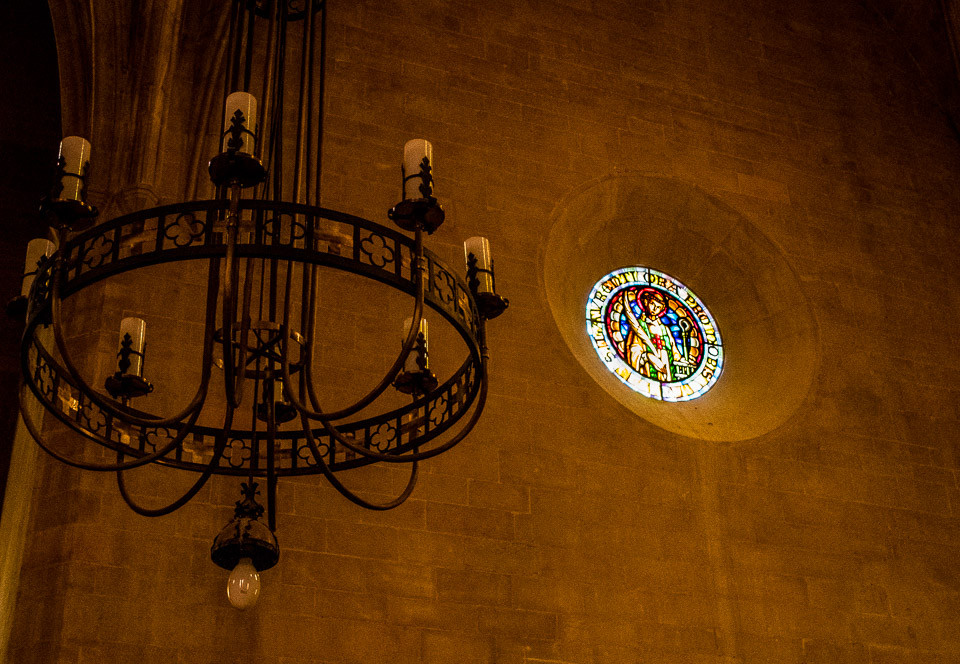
(770, 342)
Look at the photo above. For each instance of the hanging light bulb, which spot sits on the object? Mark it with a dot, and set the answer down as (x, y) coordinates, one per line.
(245, 546)
(243, 586)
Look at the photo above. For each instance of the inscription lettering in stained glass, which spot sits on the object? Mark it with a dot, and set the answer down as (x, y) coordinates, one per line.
(654, 334)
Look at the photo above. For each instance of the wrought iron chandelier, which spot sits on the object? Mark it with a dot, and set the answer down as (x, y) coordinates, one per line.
(265, 241)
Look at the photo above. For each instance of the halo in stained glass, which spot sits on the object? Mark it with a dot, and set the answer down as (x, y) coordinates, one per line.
(654, 334)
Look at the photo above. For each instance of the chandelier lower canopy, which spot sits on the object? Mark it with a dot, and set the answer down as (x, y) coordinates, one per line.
(265, 256)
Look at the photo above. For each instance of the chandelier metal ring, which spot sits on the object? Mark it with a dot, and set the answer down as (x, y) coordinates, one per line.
(99, 253)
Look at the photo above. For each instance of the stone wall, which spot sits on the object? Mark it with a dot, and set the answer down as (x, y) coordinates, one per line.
(568, 529)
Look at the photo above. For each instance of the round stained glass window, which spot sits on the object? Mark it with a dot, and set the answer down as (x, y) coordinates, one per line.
(654, 334)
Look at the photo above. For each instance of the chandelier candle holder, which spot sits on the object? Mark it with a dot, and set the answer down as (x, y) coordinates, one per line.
(38, 249)
(267, 245)
(418, 207)
(236, 165)
(416, 377)
(481, 279)
(128, 381)
(67, 198)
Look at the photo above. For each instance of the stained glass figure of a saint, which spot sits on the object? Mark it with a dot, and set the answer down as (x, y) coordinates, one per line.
(654, 334)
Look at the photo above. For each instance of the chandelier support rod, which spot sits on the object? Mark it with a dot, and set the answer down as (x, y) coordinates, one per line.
(248, 51)
(195, 405)
(259, 385)
(271, 463)
(267, 83)
(321, 89)
(276, 123)
(233, 366)
(273, 83)
(237, 35)
(274, 277)
(219, 446)
(233, 59)
(301, 167)
(245, 321)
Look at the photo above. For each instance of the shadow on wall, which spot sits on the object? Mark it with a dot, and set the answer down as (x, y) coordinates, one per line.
(769, 334)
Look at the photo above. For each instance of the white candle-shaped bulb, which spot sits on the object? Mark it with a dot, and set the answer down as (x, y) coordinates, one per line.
(37, 250)
(480, 248)
(75, 153)
(136, 328)
(414, 152)
(411, 363)
(243, 585)
(246, 104)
